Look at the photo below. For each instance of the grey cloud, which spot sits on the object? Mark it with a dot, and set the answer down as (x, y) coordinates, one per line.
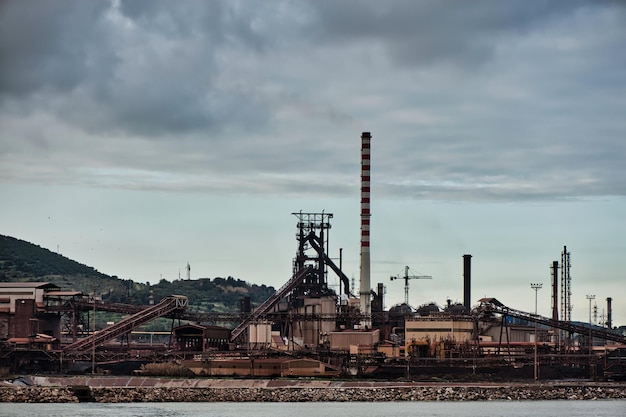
(45, 46)
(148, 68)
(183, 95)
(423, 33)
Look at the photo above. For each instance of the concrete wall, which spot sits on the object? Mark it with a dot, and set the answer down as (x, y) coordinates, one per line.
(438, 330)
(344, 339)
(259, 367)
(9, 296)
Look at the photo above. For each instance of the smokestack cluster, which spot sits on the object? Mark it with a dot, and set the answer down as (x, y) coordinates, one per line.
(364, 293)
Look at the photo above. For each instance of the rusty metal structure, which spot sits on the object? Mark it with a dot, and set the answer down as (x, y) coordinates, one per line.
(106, 346)
(489, 306)
(168, 306)
(45, 329)
(306, 297)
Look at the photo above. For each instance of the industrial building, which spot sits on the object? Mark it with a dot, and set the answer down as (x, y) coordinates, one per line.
(307, 328)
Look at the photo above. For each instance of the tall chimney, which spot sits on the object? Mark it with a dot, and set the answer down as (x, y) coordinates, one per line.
(366, 308)
(467, 282)
(609, 313)
(555, 290)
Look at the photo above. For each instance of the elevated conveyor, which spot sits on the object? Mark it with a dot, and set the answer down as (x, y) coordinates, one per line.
(271, 301)
(168, 305)
(83, 305)
(597, 332)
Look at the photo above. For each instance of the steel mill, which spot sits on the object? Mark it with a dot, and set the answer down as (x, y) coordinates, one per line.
(307, 328)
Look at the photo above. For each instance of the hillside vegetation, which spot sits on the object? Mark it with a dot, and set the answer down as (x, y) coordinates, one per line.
(24, 261)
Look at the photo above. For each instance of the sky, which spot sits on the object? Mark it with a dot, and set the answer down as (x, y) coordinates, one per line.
(139, 136)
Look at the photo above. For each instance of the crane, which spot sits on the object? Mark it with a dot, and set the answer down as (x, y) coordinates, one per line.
(406, 278)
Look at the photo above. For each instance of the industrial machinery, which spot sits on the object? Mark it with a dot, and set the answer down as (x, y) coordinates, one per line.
(307, 317)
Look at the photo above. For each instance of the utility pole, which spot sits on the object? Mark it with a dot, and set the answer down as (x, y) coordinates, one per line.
(536, 287)
(406, 278)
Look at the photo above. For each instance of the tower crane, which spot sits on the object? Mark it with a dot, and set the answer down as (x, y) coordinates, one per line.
(406, 278)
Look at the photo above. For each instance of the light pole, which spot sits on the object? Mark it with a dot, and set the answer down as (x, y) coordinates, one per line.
(590, 297)
(536, 287)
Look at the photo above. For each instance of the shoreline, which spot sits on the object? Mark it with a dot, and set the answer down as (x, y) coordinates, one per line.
(146, 389)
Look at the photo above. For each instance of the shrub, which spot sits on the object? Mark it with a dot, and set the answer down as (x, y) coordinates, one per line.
(165, 369)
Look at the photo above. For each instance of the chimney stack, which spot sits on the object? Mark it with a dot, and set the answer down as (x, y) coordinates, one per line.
(467, 282)
(609, 313)
(555, 290)
(366, 308)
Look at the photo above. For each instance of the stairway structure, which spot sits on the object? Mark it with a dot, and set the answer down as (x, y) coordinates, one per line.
(167, 306)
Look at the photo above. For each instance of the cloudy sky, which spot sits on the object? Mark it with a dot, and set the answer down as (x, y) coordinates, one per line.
(137, 136)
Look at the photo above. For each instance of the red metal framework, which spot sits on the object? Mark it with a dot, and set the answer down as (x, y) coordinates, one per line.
(167, 306)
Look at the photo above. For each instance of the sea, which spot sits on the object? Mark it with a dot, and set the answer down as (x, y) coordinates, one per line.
(558, 408)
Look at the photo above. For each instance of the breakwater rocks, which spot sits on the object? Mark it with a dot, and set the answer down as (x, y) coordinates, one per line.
(299, 394)
(353, 394)
(37, 395)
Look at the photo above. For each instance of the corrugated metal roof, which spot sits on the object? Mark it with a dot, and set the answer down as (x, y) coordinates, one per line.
(278, 340)
(491, 300)
(201, 327)
(356, 331)
(27, 285)
(40, 338)
(63, 293)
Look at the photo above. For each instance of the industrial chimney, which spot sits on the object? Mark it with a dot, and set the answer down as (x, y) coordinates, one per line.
(364, 293)
(467, 282)
(555, 290)
(609, 313)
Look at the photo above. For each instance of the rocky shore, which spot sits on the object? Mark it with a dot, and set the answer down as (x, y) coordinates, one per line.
(295, 393)
(353, 394)
(36, 395)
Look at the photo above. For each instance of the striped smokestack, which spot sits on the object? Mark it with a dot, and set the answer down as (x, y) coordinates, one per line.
(365, 290)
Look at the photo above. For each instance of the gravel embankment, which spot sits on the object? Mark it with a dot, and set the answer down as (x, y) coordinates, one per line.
(42, 394)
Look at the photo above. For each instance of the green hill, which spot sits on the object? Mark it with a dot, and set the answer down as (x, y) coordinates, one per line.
(24, 261)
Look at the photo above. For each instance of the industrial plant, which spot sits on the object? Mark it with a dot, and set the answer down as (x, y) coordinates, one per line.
(308, 329)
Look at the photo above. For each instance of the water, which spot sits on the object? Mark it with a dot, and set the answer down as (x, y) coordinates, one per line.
(602, 408)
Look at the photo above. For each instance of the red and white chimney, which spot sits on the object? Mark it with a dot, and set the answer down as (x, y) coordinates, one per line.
(365, 290)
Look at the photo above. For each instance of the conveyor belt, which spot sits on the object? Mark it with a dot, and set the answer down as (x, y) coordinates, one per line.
(167, 306)
(597, 332)
(271, 302)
